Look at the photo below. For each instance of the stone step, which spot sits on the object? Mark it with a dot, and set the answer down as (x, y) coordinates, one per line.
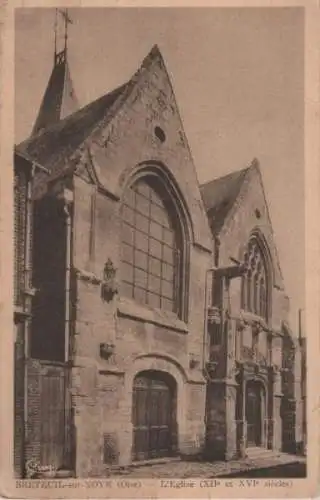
(255, 452)
(64, 473)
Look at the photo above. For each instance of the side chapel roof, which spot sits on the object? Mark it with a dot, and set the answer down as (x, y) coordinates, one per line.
(220, 194)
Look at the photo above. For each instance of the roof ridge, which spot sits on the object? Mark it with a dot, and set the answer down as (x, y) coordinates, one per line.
(71, 117)
(60, 141)
(148, 59)
(230, 174)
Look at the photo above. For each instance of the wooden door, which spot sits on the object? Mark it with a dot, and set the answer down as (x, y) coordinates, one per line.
(253, 414)
(153, 417)
(49, 414)
(54, 417)
(288, 412)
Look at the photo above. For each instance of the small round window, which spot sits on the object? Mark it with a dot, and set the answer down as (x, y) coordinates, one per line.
(159, 133)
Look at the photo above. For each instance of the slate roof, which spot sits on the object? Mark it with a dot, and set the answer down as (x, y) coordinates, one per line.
(59, 99)
(55, 144)
(219, 196)
(61, 139)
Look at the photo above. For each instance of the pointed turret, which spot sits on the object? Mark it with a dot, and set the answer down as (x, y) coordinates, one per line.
(59, 99)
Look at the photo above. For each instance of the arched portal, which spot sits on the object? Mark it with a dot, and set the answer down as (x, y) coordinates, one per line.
(154, 415)
(255, 412)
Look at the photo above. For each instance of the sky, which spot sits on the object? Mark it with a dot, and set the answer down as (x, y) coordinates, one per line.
(238, 77)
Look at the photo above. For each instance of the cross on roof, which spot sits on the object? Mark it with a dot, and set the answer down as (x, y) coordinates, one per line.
(67, 20)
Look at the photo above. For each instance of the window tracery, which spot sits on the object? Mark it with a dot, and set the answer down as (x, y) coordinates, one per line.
(254, 282)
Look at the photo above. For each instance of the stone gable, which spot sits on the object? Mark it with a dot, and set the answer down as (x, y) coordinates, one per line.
(250, 215)
(148, 128)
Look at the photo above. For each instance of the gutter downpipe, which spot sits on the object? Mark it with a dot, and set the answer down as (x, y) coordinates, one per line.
(66, 210)
(67, 198)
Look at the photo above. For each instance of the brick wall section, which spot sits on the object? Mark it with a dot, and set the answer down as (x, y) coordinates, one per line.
(18, 400)
(33, 430)
(21, 324)
(20, 207)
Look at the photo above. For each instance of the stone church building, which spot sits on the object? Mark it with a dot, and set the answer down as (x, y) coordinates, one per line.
(155, 321)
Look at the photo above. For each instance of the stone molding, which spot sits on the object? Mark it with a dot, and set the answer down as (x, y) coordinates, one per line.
(227, 381)
(131, 309)
(102, 368)
(189, 378)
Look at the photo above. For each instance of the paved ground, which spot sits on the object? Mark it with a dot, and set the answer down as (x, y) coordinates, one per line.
(278, 464)
(297, 470)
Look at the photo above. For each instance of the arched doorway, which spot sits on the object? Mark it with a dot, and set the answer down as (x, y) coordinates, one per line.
(255, 409)
(154, 415)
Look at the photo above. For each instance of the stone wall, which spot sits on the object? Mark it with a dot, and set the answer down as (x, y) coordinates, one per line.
(143, 338)
(102, 389)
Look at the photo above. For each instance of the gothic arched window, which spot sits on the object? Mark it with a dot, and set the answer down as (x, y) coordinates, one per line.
(254, 282)
(151, 247)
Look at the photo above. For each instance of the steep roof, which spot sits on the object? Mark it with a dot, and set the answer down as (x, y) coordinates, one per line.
(220, 194)
(59, 99)
(61, 139)
(56, 143)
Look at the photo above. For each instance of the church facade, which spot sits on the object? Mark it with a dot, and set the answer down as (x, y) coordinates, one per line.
(158, 323)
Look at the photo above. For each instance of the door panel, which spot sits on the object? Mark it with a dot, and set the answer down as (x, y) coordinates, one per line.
(253, 414)
(50, 430)
(153, 417)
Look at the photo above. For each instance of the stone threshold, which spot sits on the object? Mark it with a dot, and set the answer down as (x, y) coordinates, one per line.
(250, 465)
(154, 461)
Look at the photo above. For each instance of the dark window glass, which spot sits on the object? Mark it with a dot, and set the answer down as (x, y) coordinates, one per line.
(215, 335)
